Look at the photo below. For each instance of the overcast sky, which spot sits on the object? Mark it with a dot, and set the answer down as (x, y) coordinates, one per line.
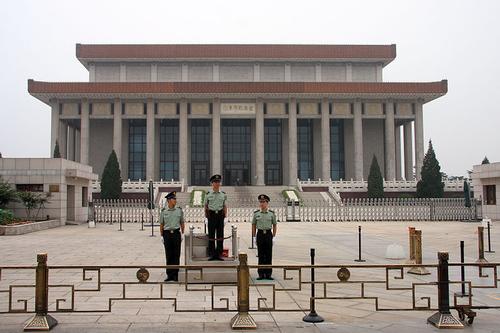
(454, 40)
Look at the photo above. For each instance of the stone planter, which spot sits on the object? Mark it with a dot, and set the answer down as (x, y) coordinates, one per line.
(9, 230)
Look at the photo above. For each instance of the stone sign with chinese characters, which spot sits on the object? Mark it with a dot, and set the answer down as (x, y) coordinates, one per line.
(238, 108)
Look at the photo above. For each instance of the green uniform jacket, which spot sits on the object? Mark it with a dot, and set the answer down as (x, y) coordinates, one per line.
(215, 200)
(171, 218)
(264, 220)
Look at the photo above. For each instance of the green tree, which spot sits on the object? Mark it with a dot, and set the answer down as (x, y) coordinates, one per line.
(111, 182)
(375, 180)
(32, 201)
(430, 184)
(485, 160)
(7, 193)
(56, 153)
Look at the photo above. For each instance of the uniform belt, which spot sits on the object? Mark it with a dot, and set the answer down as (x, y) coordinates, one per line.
(172, 230)
(264, 231)
(215, 211)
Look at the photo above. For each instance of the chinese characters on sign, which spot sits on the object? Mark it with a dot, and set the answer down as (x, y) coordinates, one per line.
(238, 108)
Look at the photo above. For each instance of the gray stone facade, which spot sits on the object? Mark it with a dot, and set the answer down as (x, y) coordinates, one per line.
(89, 125)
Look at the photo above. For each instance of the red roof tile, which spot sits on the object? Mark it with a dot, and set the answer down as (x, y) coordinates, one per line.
(440, 87)
(235, 51)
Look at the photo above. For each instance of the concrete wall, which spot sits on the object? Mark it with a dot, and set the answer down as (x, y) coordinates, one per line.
(373, 143)
(303, 72)
(55, 174)
(107, 72)
(101, 143)
(487, 174)
(235, 72)
(364, 73)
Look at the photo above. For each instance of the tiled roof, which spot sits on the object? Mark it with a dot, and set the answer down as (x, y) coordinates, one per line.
(440, 87)
(235, 51)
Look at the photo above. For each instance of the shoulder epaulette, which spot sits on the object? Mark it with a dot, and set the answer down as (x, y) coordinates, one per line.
(179, 208)
(256, 211)
(272, 211)
(223, 192)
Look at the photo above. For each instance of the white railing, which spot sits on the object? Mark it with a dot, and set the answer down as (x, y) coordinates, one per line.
(134, 186)
(384, 209)
(389, 185)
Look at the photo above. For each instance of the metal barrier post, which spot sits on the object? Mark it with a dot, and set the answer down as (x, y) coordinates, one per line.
(359, 246)
(462, 272)
(411, 250)
(234, 239)
(243, 320)
(120, 222)
(443, 318)
(41, 321)
(489, 239)
(313, 317)
(191, 238)
(142, 221)
(417, 243)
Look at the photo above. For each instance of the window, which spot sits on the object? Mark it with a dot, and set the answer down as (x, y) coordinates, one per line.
(337, 170)
(200, 151)
(305, 149)
(490, 196)
(272, 152)
(29, 187)
(169, 149)
(85, 196)
(137, 149)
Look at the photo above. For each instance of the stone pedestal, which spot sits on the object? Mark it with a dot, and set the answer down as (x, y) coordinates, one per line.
(197, 255)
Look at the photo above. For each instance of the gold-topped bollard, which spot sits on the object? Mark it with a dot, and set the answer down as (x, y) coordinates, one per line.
(41, 321)
(443, 318)
(411, 246)
(417, 248)
(243, 320)
(480, 245)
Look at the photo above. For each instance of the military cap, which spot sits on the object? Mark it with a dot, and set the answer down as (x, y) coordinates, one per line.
(215, 178)
(263, 197)
(171, 195)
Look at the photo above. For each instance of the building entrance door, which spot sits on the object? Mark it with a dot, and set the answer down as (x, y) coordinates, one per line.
(199, 174)
(236, 144)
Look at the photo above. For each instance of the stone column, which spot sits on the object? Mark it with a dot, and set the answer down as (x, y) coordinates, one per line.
(84, 132)
(183, 141)
(358, 141)
(419, 139)
(117, 129)
(292, 142)
(54, 125)
(150, 140)
(325, 139)
(216, 138)
(63, 139)
(259, 143)
(78, 145)
(390, 149)
(71, 143)
(408, 151)
(398, 152)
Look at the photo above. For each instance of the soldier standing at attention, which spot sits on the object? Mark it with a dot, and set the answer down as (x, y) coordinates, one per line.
(215, 212)
(263, 220)
(171, 228)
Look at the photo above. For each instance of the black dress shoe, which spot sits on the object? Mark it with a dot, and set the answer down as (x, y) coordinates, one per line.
(219, 259)
(260, 278)
(269, 277)
(212, 258)
(168, 279)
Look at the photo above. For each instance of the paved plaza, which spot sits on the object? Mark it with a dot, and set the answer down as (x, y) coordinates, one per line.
(335, 243)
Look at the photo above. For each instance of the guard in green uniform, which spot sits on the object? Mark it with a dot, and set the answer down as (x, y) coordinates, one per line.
(171, 228)
(215, 212)
(263, 221)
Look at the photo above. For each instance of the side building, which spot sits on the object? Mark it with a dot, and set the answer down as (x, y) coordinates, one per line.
(257, 114)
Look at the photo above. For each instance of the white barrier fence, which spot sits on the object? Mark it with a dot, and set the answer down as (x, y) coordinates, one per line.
(385, 209)
(389, 185)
